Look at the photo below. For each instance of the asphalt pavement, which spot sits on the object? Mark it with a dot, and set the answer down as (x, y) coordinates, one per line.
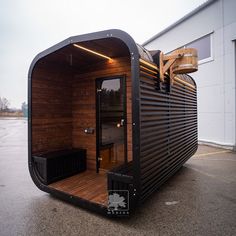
(200, 199)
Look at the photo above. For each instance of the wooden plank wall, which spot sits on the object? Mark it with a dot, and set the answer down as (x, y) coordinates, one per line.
(64, 104)
(51, 109)
(84, 105)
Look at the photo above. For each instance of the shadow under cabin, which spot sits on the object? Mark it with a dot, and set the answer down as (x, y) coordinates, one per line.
(109, 121)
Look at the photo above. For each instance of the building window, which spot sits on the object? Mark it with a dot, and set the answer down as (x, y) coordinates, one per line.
(203, 46)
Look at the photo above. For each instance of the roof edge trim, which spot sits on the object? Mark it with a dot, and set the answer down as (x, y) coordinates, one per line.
(112, 33)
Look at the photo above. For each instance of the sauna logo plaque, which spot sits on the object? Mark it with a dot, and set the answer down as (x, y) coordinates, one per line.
(118, 202)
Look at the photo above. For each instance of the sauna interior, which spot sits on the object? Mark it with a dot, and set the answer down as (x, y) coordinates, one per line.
(81, 100)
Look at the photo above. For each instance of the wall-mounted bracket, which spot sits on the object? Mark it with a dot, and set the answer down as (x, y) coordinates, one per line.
(166, 62)
(180, 61)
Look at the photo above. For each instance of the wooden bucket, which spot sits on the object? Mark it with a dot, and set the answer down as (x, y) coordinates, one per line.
(186, 64)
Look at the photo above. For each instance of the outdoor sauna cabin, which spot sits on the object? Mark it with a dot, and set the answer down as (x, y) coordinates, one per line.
(109, 121)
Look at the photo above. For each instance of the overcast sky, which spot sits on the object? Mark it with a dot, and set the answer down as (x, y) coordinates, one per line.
(29, 26)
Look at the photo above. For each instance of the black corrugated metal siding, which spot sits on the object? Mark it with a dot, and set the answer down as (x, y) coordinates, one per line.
(168, 127)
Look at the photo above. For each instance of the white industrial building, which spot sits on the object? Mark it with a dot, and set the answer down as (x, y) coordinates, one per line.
(211, 28)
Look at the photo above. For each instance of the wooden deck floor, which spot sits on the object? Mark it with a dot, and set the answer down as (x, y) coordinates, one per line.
(87, 185)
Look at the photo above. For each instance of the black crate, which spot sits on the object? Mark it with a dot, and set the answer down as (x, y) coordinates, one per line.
(53, 166)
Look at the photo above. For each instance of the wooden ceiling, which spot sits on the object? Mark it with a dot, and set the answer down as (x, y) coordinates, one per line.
(78, 58)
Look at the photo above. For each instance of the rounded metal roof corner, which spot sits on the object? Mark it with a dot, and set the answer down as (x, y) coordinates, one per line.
(111, 33)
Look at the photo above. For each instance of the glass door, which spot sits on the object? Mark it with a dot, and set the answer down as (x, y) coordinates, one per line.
(111, 123)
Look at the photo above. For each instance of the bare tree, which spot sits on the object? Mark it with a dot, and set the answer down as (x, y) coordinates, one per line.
(1, 104)
(24, 108)
(4, 104)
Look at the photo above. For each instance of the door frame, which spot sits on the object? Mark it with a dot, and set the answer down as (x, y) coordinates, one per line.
(98, 81)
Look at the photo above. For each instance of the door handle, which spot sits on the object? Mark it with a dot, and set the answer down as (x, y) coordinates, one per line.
(121, 124)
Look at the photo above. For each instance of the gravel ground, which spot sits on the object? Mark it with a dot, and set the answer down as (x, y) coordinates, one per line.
(199, 200)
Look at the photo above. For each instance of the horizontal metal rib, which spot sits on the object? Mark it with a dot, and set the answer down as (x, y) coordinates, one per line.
(168, 129)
